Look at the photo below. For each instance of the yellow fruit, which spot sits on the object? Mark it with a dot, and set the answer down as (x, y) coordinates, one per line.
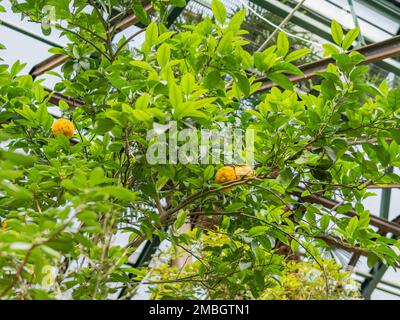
(243, 170)
(4, 225)
(232, 173)
(63, 126)
(225, 174)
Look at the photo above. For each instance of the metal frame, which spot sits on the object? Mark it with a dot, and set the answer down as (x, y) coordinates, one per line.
(29, 34)
(383, 224)
(143, 260)
(386, 8)
(315, 26)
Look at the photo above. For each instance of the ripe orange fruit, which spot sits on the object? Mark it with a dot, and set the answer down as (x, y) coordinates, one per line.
(243, 170)
(225, 174)
(63, 126)
(234, 172)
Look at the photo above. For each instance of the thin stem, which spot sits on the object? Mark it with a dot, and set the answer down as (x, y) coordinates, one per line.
(282, 24)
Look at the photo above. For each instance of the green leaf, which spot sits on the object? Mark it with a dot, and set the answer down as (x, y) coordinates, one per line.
(235, 206)
(372, 259)
(18, 159)
(141, 115)
(285, 177)
(352, 226)
(43, 117)
(188, 83)
(142, 64)
(180, 219)
(243, 84)
(219, 11)
(120, 193)
(163, 54)
(295, 55)
(337, 32)
(324, 222)
(161, 182)
(395, 134)
(178, 3)
(287, 68)
(294, 245)
(143, 101)
(175, 97)
(237, 20)
(141, 14)
(151, 34)
(281, 80)
(330, 49)
(350, 37)
(328, 89)
(282, 44)
(394, 99)
(257, 231)
(208, 173)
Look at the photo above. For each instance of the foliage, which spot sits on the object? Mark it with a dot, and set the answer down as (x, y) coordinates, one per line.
(293, 280)
(305, 281)
(64, 204)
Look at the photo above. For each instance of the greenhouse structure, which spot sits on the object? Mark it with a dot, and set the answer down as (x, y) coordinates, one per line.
(200, 150)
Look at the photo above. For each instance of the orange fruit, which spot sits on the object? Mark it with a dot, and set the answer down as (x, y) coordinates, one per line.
(225, 174)
(243, 170)
(64, 127)
(232, 173)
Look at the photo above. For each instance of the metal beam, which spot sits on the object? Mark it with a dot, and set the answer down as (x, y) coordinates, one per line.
(29, 34)
(143, 260)
(56, 97)
(175, 13)
(299, 18)
(369, 284)
(387, 9)
(381, 223)
(360, 37)
(386, 283)
(385, 199)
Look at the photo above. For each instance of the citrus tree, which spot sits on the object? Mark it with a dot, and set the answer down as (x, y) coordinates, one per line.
(72, 187)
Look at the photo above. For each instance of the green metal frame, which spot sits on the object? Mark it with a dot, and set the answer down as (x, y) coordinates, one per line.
(143, 260)
(378, 271)
(174, 14)
(29, 34)
(384, 7)
(360, 38)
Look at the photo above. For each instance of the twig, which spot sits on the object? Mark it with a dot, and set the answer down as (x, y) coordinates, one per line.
(284, 21)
